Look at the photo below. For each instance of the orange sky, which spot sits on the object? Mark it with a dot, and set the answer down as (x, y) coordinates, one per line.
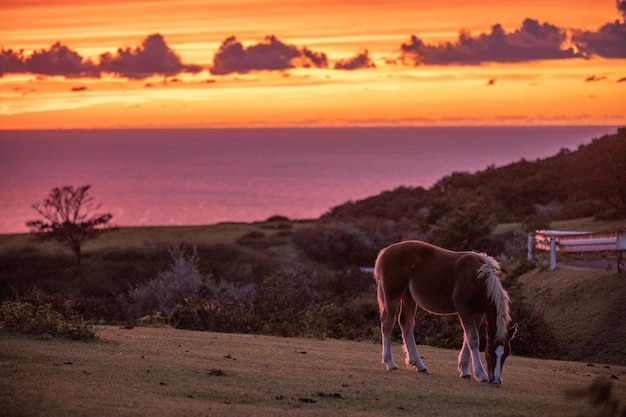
(526, 74)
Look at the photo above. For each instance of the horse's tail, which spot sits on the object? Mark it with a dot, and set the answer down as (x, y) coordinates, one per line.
(378, 273)
(378, 277)
(490, 273)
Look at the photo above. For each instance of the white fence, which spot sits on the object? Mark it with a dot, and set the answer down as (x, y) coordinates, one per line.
(564, 241)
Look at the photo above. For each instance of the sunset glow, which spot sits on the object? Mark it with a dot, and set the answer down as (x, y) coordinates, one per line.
(193, 63)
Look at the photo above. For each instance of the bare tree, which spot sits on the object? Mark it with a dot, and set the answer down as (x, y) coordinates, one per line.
(69, 218)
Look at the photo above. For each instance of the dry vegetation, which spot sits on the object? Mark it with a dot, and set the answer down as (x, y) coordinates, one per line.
(166, 372)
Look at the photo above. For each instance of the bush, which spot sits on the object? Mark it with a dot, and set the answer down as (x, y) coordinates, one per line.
(463, 221)
(170, 287)
(355, 319)
(279, 305)
(338, 246)
(218, 307)
(27, 318)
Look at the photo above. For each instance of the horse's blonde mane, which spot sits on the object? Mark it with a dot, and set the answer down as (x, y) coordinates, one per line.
(490, 272)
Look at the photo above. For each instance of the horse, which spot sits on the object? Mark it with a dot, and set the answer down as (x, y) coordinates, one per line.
(413, 273)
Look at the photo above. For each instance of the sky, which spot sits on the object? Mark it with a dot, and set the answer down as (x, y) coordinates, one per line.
(247, 63)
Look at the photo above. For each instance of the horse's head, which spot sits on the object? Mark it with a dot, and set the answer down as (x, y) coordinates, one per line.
(496, 352)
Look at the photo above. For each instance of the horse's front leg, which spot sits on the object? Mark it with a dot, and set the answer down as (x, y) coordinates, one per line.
(471, 339)
(408, 308)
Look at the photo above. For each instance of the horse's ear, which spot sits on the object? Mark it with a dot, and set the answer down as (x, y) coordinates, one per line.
(512, 332)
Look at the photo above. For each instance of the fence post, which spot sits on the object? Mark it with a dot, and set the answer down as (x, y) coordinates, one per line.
(531, 241)
(552, 253)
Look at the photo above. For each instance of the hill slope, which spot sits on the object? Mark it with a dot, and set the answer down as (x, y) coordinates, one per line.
(589, 181)
(585, 308)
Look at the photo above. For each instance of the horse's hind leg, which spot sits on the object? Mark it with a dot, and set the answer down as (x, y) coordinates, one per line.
(408, 308)
(387, 312)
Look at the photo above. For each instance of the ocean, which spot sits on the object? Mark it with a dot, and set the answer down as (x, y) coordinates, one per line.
(205, 176)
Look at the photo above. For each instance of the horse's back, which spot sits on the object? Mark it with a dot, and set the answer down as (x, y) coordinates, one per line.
(436, 277)
(409, 255)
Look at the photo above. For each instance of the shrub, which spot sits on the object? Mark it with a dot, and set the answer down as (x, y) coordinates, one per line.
(24, 317)
(281, 302)
(355, 319)
(338, 246)
(462, 221)
(218, 306)
(170, 287)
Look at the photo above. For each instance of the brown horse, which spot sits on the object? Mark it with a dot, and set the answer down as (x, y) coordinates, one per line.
(413, 273)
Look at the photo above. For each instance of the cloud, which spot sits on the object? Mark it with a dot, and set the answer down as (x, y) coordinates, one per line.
(269, 55)
(58, 60)
(11, 62)
(358, 61)
(592, 78)
(532, 41)
(153, 57)
(621, 8)
(609, 41)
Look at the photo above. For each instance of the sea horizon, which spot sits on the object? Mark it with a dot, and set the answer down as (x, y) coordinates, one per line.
(193, 176)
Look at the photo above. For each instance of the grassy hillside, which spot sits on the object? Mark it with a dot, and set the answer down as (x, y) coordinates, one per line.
(154, 236)
(585, 308)
(166, 372)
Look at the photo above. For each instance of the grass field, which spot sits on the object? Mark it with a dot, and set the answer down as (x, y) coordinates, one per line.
(167, 372)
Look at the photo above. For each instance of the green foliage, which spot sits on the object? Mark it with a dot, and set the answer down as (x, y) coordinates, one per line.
(462, 221)
(28, 318)
(286, 304)
(397, 205)
(440, 331)
(282, 301)
(355, 319)
(337, 245)
(236, 263)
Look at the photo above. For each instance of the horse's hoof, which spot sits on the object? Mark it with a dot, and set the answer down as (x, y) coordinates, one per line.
(466, 376)
(422, 371)
(482, 378)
